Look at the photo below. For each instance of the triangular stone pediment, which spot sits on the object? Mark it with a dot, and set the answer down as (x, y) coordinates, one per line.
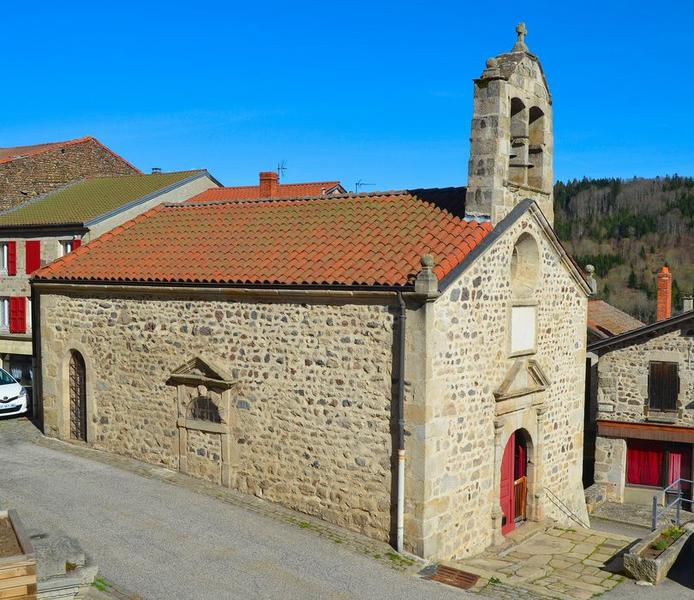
(201, 371)
(523, 378)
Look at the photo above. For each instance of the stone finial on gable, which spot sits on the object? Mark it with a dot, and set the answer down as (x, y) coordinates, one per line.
(522, 31)
(426, 282)
(590, 278)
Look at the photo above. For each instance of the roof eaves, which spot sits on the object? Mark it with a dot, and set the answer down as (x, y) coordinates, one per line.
(143, 199)
(635, 334)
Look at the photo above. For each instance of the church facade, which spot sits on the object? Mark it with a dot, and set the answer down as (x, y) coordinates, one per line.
(409, 365)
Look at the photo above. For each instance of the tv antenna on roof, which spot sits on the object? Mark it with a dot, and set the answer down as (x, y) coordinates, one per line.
(360, 184)
(281, 168)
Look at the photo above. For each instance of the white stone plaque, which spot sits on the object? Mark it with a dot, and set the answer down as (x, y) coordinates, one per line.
(522, 329)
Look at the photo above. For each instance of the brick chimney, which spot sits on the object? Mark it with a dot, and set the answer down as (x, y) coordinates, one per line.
(269, 182)
(664, 300)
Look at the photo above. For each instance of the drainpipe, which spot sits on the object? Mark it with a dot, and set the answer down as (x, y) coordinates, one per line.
(401, 428)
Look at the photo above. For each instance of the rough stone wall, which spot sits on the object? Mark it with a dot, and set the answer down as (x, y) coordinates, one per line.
(610, 466)
(205, 455)
(469, 360)
(312, 409)
(24, 178)
(623, 376)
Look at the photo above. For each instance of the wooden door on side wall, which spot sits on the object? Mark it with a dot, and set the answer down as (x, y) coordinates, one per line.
(506, 491)
(78, 397)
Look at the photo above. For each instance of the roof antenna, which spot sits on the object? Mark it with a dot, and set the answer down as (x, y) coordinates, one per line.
(360, 184)
(281, 168)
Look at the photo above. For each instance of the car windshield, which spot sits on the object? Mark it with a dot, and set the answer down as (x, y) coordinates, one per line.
(6, 378)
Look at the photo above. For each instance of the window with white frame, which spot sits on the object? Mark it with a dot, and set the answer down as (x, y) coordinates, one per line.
(66, 246)
(4, 314)
(4, 256)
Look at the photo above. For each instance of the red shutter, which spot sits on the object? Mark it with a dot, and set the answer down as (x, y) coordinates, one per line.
(11, 258)
(76, 244)
(18, 315)
(33, 256)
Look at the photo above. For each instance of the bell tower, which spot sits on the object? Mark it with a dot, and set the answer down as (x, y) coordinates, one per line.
(512, 141)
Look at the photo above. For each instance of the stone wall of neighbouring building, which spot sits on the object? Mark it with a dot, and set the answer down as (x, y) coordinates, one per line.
(623, 376)
(622, 396)
(24, 178)
(311, 405)
(467, 428)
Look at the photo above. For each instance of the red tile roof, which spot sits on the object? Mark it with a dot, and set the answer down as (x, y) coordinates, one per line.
(607, 320)
(9, 154)
(365, 239)
(252, 192)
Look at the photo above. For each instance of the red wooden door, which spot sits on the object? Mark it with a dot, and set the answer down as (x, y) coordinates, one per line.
(506, 496)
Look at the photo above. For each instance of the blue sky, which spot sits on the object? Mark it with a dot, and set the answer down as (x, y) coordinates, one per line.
(372, 91)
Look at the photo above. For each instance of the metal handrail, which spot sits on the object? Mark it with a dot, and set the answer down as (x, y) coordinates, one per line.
(677, 502)
(565, 509)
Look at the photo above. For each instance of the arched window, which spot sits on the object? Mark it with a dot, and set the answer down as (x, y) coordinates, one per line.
(518, 159)
(536, 148)
(525, 265)
(204, 409)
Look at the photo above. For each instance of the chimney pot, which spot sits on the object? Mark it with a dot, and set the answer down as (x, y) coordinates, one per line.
(269, 184)
(664, 298)
(156, 170)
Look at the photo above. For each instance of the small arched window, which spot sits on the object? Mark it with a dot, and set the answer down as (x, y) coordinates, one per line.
(204, 409)
(525, 265)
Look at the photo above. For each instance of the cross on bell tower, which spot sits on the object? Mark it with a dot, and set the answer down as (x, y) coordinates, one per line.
(522, 31)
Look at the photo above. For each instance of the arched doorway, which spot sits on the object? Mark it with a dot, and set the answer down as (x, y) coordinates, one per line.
(514, 482)
(78, 397)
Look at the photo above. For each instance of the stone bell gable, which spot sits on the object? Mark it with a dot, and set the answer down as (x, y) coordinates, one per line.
(511, 140)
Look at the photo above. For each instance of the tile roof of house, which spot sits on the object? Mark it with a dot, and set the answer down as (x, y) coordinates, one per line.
(252, 192)
(17, 152)
(374, 239)
(607, 320)
(87, 199)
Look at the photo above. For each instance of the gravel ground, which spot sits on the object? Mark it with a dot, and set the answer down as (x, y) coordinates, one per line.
(166, 543)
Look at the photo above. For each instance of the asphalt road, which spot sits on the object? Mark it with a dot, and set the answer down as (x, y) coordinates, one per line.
(169, 543)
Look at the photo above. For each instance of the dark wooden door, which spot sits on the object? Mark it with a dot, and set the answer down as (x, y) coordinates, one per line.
(78, 398)
(506, 493)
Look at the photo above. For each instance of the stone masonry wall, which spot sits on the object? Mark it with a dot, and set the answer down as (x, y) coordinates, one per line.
(24, 178)
(311, 411)
(470, 360)
(623, 376)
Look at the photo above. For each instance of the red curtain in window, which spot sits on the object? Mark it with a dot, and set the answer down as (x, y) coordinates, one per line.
(18, 315)
(680, 465)
(33, 255)
(11, 258)
(644, 462)
(76, 244)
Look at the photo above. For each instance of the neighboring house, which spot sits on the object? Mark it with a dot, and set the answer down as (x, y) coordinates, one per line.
(642, 394)
(39, 231)
(605, 321)
(30, 171)
(373, 359)
(270, 187)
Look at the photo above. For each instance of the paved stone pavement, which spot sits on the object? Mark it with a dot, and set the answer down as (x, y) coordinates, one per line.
(555, 562)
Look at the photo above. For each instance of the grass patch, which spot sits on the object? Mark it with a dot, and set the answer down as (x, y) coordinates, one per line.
(101, 584)
(398, 559)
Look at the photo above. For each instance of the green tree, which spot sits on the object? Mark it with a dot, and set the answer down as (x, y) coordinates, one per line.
(632, 283)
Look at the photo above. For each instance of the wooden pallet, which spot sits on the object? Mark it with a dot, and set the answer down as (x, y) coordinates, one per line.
(18, 573)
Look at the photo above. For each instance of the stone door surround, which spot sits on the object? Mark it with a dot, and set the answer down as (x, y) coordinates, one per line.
(199, 378)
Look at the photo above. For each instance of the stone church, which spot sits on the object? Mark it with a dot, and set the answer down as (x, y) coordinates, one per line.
(407, 364)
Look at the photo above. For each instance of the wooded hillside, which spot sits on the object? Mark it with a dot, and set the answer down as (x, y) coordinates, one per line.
(629, 229)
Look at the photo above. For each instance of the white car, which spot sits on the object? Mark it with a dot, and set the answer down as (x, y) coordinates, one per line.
(13, 397)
